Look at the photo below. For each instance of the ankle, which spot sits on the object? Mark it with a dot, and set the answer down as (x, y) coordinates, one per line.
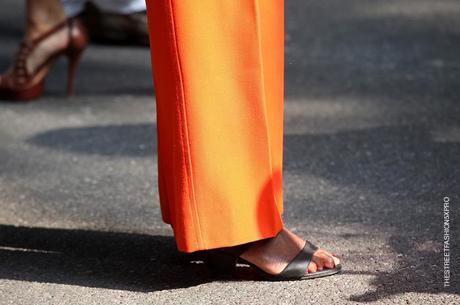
(35, 30)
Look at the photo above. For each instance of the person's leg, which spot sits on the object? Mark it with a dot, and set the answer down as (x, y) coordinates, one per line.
(219, 90)
(42, 16)
(112, 21)
(48, 35)
(218, 74)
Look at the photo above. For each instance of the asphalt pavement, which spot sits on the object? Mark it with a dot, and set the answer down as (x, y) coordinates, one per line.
(372, 149)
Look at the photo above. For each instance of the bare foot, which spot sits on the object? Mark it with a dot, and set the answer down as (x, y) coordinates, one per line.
(272, 255)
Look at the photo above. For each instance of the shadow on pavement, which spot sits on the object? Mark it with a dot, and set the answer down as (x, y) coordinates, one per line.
(406, 169)
(134, 140)
(125, 261)
(419, 270)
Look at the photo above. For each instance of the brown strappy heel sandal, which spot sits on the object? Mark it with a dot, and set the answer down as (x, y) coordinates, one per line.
(223, 261)
(19, 84)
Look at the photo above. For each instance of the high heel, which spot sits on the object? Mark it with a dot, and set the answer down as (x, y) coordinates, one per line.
(223, 261)
(19, 84)
(219, 263)
(73, 61)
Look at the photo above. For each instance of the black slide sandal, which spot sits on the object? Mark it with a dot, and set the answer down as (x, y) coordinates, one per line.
(224, 260)
(297, 268)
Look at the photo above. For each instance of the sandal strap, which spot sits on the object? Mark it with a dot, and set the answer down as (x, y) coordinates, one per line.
(67, 22)
(26, 47)
(298, 266)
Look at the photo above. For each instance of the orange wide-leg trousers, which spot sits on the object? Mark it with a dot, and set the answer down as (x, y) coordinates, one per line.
(218, 69)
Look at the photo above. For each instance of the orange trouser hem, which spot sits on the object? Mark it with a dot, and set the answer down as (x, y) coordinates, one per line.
(218, 69)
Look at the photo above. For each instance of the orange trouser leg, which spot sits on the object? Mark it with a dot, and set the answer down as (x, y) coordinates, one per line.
(219, 79)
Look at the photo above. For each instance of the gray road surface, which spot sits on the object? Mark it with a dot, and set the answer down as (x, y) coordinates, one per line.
(372, 146)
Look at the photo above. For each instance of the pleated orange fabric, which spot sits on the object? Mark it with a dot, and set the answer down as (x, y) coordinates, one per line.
(218, 69)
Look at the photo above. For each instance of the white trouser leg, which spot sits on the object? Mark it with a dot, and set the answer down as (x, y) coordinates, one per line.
(74, 7)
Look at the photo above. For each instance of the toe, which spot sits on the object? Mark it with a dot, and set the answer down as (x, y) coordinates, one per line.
(322, 260)
(329, 263)
(326, 260)
(312, 267)
(319, 261)
(336, 260)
